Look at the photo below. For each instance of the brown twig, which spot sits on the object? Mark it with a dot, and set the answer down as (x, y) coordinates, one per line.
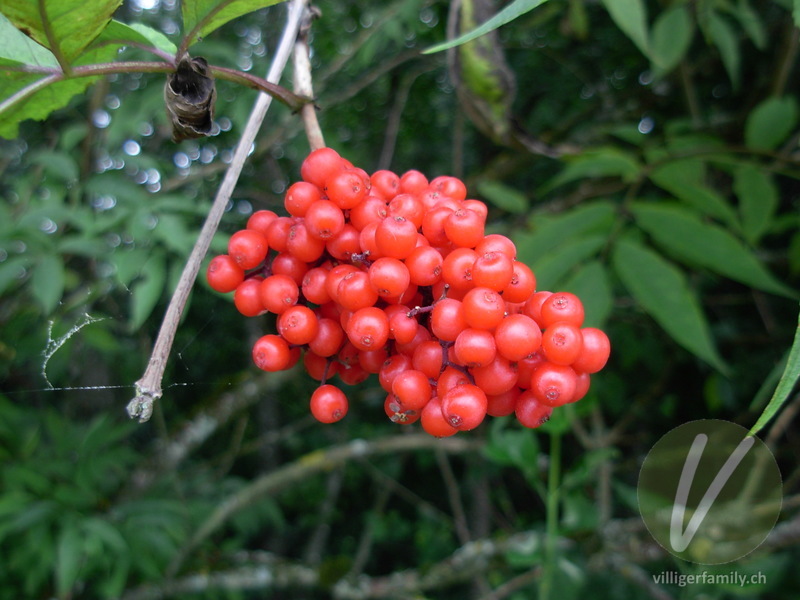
(148, 388)
(303, 83)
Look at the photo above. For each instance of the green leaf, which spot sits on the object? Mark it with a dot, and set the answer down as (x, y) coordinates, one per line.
(751, 23)
(785, 386)
(66, 27)
(120, 34)
(201, 17)
(673, 32)
(608, 161)
(47, 282)
(549, 232)
(686, 180)
(16, 48)
(770, 123)
(631, 17)
(13, 271)
(796, 12)
(552, 267)
(758, 200)
(684, 234)
(69, 556)
(34, 96)
(724, 38)
(147, 291)
(503, 196)
(662, 290)
(513, 11)
(591, 284)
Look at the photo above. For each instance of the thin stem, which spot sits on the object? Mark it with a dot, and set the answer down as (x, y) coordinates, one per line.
(303, 84)
(553, 487)
(55, 48)
(148, 388)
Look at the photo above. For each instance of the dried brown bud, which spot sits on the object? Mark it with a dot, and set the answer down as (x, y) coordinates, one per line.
(189, 95)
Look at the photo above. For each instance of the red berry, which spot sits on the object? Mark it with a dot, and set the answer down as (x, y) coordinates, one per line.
(475, 348)
(324, 220)
(553, 384)
(224, 274)
(483, 308)
(434, 422)
(448, 319)
(493, 270)
(464, 228)
(595, 351)
(321, 164)
(464, 407)
(298, 325)
(517, 337)
(522, 284)
(389, 277)
(328, 404)
(346, 189)
(246, 298)
(368, 328)
(424, 265)
(531, 412)
(248, 248)
(562, 306)
(299, 197)
(503, 404)
(271, 353)
(261, 220)
(412, 389)
(562, 343)
(278, 292)
(396, 237)
(329, 338)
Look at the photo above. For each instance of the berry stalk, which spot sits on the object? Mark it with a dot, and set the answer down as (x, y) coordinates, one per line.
(149, 387)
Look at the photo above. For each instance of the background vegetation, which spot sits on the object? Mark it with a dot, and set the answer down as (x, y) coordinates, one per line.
(641, 154)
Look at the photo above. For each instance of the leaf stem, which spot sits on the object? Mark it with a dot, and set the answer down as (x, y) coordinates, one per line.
(148, 388)
(55, 48)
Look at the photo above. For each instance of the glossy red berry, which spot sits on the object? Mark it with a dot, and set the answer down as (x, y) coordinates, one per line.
(328, 404)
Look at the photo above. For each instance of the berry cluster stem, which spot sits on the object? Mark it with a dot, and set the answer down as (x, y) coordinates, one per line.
(302, 80)
(149, 387)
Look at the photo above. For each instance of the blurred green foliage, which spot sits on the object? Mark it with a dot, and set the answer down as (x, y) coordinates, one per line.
(653, 170)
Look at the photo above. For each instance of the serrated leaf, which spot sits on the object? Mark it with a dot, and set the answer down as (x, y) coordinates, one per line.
(631, 17)
(513, 11)
(725, 40)
(682, 233)
(147, 291)
(69, 556)
(66, 27)
(662, 291)
(673, 32)
(17, 48)
(785, 386)
(685, 179)
(36, 96)
(607, 161)
(758, 200)
(770, 123)
(549, 232)
(503, 196)
(201, 17)
(47, 282)
(591, 284)
(121, 34)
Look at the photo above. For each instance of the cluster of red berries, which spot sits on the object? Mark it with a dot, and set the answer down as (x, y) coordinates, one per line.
(395, 276)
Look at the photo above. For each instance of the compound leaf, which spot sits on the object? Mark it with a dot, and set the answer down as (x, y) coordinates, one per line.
(661, 289)
(682, 233)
